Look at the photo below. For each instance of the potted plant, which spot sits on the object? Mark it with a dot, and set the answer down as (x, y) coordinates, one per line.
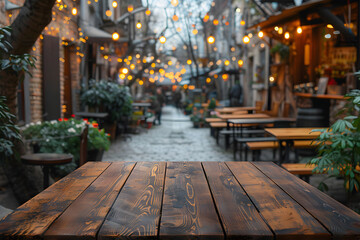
(339, 146)
(280, 52)
(62, 136)
(108, 97)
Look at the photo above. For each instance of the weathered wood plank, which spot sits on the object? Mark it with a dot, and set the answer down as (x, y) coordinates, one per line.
(33, 218)
(341, 221)
(286, 218)
(83, 218)
(239, 217)
(136, 211)
(188, 210)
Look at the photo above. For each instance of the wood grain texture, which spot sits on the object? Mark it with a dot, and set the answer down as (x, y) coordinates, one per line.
(239, 217)
(83, 218)
(293, 133)
(136, 211)
(243, 116)
(32, 219)
(188, 210)
(341, 221)
(286, 218)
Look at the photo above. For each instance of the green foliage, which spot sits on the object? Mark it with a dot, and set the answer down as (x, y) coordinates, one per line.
(339, 146)
(212, 104)
(283, 51)
(17, 63)
(63, 136)
(9, 132)
(109, 96)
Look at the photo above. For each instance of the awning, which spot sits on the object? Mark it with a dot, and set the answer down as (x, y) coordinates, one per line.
(295, 13)
(95, 34)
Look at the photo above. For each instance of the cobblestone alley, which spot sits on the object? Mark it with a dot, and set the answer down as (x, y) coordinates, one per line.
(174, 140)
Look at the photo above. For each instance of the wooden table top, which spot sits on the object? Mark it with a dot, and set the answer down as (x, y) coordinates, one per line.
(181, 200)
(211, 120)
(261, 120)
(46, 158)
(234, 109)
(293, 133)
(242, 116)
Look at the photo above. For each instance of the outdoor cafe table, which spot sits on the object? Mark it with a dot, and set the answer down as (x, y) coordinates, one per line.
(235, 109)
(242, 116)
(181, 200)
(287, 136)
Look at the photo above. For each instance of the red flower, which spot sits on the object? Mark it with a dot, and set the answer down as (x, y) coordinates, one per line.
(66, 119)
(95, 125)
(60, 119)
(72, 115)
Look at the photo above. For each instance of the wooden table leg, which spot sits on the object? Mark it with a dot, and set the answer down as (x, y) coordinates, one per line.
(45, 170)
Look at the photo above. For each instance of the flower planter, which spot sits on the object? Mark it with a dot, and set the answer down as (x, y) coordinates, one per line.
(95, 155)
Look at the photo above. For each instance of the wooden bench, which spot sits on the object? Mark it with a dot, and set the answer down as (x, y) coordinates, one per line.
(256, 147)
(302, 169)
(243, 140)
(244, 131)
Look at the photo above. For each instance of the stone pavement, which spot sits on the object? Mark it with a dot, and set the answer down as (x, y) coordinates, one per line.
(174, 140)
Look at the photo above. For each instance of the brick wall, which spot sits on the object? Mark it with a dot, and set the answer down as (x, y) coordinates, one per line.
(64, 26)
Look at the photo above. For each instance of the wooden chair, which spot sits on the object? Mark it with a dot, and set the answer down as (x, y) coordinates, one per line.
(259, 106)
(83, 145)
(274, 112)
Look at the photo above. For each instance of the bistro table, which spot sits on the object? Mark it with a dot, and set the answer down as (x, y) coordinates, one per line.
(235, 109)
(287, 136)
(181, 200)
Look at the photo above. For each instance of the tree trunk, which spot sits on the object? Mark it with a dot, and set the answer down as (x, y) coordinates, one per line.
(26, 29)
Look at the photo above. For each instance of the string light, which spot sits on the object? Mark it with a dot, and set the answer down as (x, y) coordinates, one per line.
(189, 61)
(246, 39)
(299, 30)
(147, 12)
(211, 39)
(115, 36)
(216, 22)
(195, 31)
(287, 35)
(175, 18)
(114, 4)
(138, 25)
(74, 11)
(240, 63)
(108, 13)
(174, 2)
(162, 39)
(261, 34)
(130, 8)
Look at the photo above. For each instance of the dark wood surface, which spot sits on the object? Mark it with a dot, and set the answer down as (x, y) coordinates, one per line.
(181, 200)
(46, 158)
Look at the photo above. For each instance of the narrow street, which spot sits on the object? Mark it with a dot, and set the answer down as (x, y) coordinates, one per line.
(174, 140)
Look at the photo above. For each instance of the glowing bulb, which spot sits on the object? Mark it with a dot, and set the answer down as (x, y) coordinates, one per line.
(189, 61)
(115, 36)
(147, 12)
(242, 22)
(299, 30)
(227, 62)
(210, 39)
(114, 4)
(130, 8)
(240, 62)
(246, 39)
(280, 31)
(178, 29)
(195, 31)
(74, 11)
(138, 25)
(216, 22)
(108, 13)
(175, 18)
(174, 2)
(261, 34)
(287, 35)
(162, 39)
(329, 26)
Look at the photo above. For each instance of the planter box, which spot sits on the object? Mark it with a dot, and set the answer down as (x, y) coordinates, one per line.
(95, 155)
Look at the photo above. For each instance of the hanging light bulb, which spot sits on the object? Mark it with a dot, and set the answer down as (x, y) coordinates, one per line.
(211, 39)
(130, 8)
(74, 11)
(287, 35)
(216, 22)
(227, 62)
(108, 13)
(246, 39)
(195, 31)
(114, 4)
(147, 12)
(175, 18)
(174, 2)
(189, 61)
(261, 34)
(115, 36)
(240, 63)
(299, 30)
(162, 39)
(138, 25)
